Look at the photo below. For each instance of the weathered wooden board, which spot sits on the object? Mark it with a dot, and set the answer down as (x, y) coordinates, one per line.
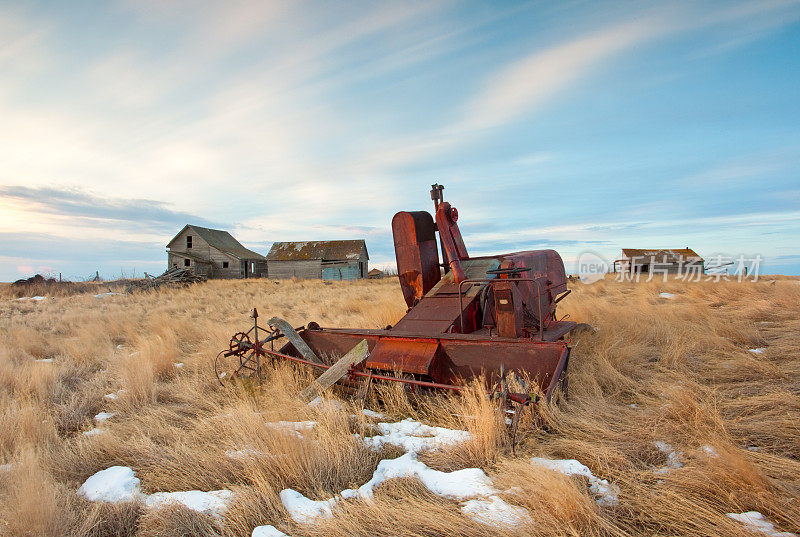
(338, 370)
(295, 339)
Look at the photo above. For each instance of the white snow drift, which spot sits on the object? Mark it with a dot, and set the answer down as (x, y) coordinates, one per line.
(607, 493)
(758, 523)
(119, 484)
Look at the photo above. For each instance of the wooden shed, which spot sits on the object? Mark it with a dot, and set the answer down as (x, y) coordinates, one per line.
(326, 260)
(214, 253)
(644, 261)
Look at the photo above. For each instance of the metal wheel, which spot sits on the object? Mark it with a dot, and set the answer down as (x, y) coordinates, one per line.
(240, 343)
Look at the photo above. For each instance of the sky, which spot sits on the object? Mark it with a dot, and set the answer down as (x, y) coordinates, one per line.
(577, 126)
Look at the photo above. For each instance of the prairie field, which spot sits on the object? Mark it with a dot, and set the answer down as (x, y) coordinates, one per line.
(687, 404)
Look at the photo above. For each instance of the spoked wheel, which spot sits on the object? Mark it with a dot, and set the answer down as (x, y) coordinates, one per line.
(512, 394)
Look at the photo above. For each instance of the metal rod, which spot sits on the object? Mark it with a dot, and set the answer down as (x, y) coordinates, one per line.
(421, 383)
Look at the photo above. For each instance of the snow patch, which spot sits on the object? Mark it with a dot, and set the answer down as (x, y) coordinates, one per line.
(457, 485)
(103, 416)
(115, 484)
(494, 511)
(292, 426)
(268, 531)
(212, 503)
(178, 365)
(119, 484)
(322, 403)
(372, 414)
(302, 510)
(103, 295)
(758, 523)
(94, 432)
(673, 457)
(759, 350)
(666, 295)
(607, 493)
(37, 298)
(411, 435)
(44, 360)
(710, 451)
(114, 396)
(5, 468)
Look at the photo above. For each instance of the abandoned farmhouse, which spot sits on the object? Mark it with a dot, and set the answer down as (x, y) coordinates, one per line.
(678, 261)
(215, 253)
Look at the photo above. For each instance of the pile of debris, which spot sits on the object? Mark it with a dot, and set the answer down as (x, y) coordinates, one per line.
(41, 286)
(172, 277)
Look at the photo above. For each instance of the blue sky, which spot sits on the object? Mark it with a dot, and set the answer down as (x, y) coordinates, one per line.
(578, 126)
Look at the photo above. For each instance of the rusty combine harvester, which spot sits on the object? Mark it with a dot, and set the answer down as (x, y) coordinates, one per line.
(467, 316)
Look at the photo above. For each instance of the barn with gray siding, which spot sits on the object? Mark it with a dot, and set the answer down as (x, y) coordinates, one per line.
(669, 261)
(214, 253)
(326, 260)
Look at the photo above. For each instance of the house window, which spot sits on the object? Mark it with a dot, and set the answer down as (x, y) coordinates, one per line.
(186, 262)
(188, 241)
(225, 264)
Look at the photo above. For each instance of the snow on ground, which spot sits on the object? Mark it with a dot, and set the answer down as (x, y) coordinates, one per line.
(44, 360)
(103, 295)
(457, 485)
(113, 396)
(119, 484)
(268, 531)
(103, 416)
(758, 523)
(179, 365)
(673, 457)
(666, 295)
(115, 484)
(37, 298)
(494, 511)
(212, 503)
(411, 435)
(292, 426)
(759, 350)
(470, 485)
(322, 403)
(5, 468)
(607, 493)
(94, 431)
(710, 451)
(302, 510)
(372, 414)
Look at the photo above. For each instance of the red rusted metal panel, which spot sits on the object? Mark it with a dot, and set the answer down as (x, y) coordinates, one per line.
(407, 355)
(417, 254)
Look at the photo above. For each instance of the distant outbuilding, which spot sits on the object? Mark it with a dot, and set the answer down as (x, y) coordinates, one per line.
(675, 261)
(375, 274)
(326, 260)
(214, 253)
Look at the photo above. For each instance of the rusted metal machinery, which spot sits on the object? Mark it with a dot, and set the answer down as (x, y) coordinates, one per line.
(467, 316)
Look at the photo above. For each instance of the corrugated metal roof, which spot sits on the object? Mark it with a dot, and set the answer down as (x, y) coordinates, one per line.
(222, 241)
(672, 256)
(325, 250)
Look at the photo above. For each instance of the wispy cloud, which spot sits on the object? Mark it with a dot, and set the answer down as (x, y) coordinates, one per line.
(143, 214)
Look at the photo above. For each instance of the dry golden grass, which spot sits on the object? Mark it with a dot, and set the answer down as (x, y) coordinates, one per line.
(677, 371)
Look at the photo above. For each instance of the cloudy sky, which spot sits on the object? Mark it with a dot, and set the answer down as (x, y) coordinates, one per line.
(579, 126)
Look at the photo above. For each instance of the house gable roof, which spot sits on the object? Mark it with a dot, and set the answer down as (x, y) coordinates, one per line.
(672, 256)
(222, 241)
(324, 250)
